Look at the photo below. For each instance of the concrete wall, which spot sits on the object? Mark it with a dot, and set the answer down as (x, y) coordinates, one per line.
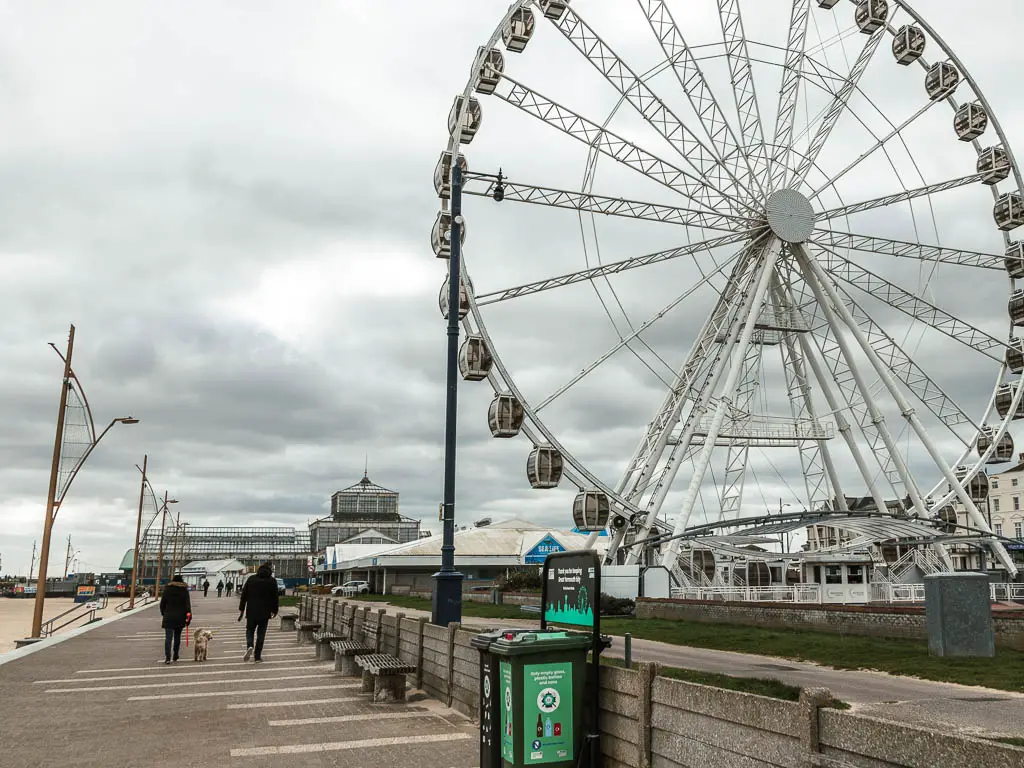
(872, 621)
(650, 721)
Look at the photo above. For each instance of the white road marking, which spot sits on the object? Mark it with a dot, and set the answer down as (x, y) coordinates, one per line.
(247, 692)
(335, 746)
(355, 718)
(158, 664)
(176, 685)
(250, 669)
(264, 704)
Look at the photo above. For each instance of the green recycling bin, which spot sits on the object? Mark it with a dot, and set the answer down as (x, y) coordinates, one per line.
(543, 679)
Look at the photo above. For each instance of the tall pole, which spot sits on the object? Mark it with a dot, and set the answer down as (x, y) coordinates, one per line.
(32, 565)
(160, 554)
(51, 498)
(67, 559)
(174, 549)
(446, 606)
(138, 532)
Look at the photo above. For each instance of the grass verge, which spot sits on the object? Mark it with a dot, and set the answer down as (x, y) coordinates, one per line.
(897, 657)
(283, 600)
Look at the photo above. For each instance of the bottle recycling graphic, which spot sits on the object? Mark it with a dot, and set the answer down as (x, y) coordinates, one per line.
(547, 701)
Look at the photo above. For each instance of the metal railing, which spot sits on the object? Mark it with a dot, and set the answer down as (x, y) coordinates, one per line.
(70, 616)
(140, 600)
(881, 592)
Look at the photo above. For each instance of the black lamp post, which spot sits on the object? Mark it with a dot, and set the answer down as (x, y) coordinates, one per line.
(446, 605)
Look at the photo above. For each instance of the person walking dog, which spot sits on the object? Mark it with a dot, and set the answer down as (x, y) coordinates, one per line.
(258, 603)
(176, 609)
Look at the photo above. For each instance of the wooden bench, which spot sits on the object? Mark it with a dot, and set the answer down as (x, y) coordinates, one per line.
(323, 641)
(288, 621)
(345, 652)
(304, 632)
(384, 676)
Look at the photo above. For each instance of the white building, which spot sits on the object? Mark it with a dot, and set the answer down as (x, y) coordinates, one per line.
(198, 571)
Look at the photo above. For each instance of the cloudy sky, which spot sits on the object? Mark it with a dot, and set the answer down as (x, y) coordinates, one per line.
(232, 203)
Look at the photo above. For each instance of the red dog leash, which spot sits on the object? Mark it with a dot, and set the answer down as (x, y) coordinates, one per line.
(188, 620)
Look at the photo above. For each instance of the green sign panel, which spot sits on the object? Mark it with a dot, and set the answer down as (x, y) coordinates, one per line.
(570, 591)
(507, 740)
(547, 713)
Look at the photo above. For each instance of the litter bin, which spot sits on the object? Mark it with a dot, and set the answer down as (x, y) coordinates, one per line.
(490, 741)
(542, 678)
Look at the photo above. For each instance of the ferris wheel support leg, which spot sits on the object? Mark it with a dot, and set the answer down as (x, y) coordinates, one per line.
(843, 424)
(771, 258)
(796, 357)
(820, 284)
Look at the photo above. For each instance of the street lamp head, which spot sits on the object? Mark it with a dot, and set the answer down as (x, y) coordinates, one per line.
(172, 501)
(499, 188)
(128, 420)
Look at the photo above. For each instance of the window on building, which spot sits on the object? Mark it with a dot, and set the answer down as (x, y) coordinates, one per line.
(995, 505)
(833, 574)
(1018, 530)
(1013, 482)
(995, 482)
(855, 574)
(999, 529)
(1016, 502)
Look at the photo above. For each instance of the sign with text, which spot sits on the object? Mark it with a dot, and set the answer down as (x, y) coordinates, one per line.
(508, 744)
(571, 592)
(546, 546)
(547, 693)
(84, 593)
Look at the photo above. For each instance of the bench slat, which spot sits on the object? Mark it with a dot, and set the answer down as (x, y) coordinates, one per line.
(307, 624)
(327, 637)
(383, 664)
(350, 648)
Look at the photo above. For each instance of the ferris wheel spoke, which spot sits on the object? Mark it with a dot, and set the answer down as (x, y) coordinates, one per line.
(645, 326)
(909, 303)
(483, 186)
(879, 143)
(618, 148)
(635, 90)
(899, 197)
(903, 249)
(744, 91)
(613, 269)
(789, 93)
(691, 79)
(838, 106)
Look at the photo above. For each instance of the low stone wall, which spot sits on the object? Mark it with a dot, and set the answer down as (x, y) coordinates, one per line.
(870, 620)
(509, 598)
(651, 721)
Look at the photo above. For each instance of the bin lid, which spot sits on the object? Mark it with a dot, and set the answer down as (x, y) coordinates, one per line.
(528, 642)
(483, 641)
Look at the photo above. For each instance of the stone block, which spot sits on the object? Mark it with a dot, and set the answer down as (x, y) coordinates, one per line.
(958, 615)
(288, 622)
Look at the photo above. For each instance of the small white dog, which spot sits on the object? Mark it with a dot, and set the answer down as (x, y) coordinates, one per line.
(202, 640)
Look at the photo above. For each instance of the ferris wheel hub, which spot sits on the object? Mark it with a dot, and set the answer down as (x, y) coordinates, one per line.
(790, 215)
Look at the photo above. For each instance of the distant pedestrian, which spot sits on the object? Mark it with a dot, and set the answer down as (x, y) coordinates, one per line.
(220, 588)
(229, 588)
(258, 603)
(206, 588)
(176, 609)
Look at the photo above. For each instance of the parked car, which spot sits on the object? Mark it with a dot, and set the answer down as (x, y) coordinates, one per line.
(350, 588)
(281, 588)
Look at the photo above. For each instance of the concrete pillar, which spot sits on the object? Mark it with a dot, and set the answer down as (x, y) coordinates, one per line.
(958, 613)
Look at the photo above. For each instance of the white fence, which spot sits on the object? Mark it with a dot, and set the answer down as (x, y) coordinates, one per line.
(812, 593)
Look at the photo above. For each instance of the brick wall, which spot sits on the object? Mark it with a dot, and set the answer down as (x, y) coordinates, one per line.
(650, 721)
(871, 621)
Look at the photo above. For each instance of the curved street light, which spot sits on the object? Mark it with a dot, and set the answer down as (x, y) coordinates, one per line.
(58, 490)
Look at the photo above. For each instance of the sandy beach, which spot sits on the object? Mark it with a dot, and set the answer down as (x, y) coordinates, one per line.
(16, 616)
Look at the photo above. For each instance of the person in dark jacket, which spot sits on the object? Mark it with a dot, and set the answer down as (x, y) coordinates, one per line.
(206, 588)
(258, 603)
(176, 609)
(220, 588)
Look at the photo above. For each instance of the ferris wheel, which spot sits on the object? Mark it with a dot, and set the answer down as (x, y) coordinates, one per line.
(762, 246)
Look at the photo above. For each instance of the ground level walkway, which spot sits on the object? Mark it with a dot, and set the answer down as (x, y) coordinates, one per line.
(105, 699)
(956, 708)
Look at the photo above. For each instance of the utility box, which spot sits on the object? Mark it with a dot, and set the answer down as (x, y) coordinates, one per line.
(543, 680)
(958, 613)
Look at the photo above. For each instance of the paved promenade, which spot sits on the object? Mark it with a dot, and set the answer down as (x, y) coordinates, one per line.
(105, 699)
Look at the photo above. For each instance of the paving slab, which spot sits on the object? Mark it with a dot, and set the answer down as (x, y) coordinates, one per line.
(105, 699)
